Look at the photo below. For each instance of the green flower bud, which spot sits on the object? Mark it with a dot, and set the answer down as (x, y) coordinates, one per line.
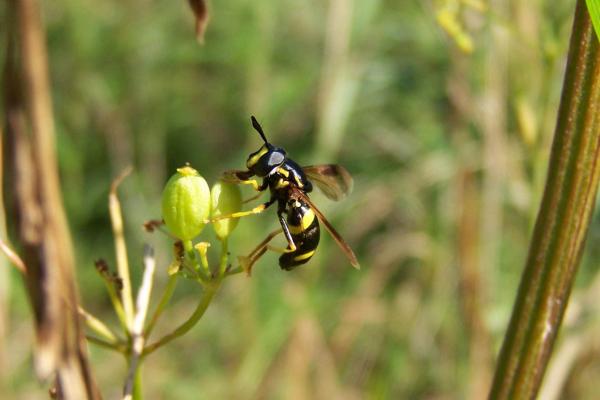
(226, 199)
(186, 203)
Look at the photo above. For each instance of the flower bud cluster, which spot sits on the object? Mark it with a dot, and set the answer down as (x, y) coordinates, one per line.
(187, 204)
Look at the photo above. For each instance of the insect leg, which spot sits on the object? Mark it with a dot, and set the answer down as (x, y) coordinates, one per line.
(255, 210)
(247, 262)
(258, 187)
(288, 235)
(252, 198)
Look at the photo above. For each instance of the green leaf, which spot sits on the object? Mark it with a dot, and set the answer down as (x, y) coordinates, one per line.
(594, 10)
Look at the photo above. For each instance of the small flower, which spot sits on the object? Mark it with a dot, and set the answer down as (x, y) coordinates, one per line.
(225, 199)
(202, 248)
(186, 203)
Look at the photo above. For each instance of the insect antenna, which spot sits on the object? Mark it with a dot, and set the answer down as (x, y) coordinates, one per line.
(258, 128)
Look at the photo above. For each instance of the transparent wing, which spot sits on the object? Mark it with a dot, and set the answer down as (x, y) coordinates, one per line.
(336, 236)
(333, 180)
(236, 175)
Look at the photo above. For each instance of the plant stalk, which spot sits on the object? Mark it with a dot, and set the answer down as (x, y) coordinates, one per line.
(561, 225)
(116, 218)
(164, 300)
(207, 295)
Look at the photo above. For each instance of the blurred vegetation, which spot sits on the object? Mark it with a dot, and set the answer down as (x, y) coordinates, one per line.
(447, 144)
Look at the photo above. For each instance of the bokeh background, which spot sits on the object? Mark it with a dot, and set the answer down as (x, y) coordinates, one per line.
(443, 111)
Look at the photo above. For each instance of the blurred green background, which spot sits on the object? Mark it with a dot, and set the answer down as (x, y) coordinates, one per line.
(443, 111)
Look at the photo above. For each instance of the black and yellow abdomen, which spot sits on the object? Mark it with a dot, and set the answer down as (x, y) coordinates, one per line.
(304, 228)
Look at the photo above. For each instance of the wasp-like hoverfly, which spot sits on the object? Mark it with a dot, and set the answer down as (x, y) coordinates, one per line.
(289, 186)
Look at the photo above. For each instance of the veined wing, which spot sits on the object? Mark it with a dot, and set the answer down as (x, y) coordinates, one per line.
(333, 180)
(336, 236)
(236, 175)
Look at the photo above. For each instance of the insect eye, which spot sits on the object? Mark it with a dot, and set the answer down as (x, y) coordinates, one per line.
(276, 157)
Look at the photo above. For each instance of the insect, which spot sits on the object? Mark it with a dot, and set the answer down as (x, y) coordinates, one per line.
(289, 185)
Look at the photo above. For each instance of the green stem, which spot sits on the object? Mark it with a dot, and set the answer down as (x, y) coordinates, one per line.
(137, 383)
(224, 256)
(191, 259)
(562, 223)
(190, 254)
(164, 300)
(116, 217)
(98, 326)
(116, 346)
(207, 295)
(117, 306)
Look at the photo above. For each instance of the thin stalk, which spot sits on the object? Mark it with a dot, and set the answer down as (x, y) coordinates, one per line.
(115, 300)
(164, 300)
(107, 345)
(562, 223)
(207, 296)
(98, 326)
(116, 218)
(190, 254)
(190, 258)
(224, 256)
(13, 257)
(132, 388)
(137, 384)
(118, 307)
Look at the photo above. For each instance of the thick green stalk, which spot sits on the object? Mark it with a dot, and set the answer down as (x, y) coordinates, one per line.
(562, 223)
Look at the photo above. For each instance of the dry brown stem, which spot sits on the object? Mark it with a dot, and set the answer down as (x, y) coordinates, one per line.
(42, 226)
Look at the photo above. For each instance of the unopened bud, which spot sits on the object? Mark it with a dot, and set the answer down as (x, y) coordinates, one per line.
(226, 199)
(186, 203)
